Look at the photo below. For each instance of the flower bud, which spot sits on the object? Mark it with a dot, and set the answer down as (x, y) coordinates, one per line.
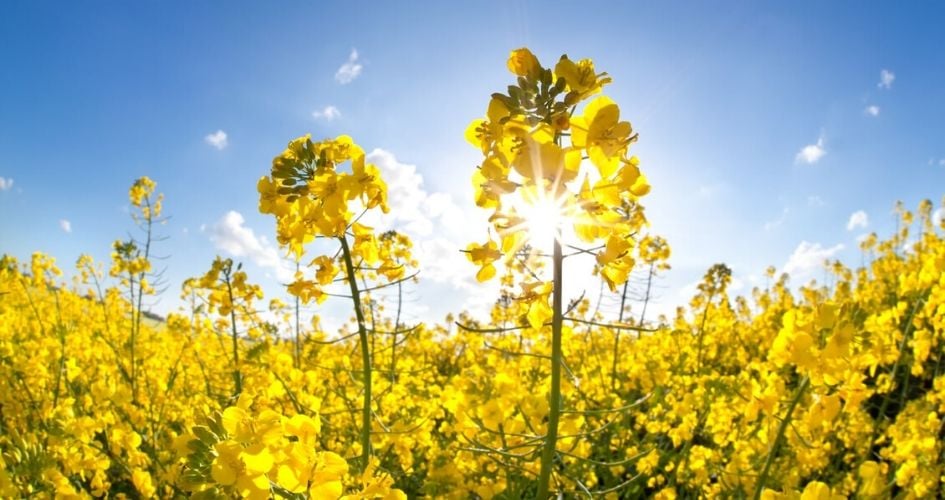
(523, 63)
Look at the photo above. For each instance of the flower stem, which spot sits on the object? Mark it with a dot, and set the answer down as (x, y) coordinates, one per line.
(763, 477)
(554, 398)
(365, 356)
(613, 370)
(237, 376)
(298, 340)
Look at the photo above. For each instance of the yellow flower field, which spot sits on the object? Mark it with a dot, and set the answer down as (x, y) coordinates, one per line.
(822, 391)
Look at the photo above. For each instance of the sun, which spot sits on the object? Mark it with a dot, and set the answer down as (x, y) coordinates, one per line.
(543, 218)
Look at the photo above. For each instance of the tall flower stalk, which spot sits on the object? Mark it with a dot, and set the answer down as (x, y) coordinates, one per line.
(312, 197)
(551, 173)
(131, 262)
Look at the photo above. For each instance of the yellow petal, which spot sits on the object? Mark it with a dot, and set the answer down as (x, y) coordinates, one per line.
(485, 273)
(641, 186)
(233, 418)
(222, 473)
(290, 480)
(473, 135)
(257, 459)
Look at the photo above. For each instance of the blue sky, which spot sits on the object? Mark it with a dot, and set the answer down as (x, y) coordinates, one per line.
(763, 128)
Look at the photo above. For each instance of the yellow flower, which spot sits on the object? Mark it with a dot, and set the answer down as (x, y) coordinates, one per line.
(327, 270)
(143, 483)
(366, 183)
(485, 133)
(243, 468)
(140, 190)
(327, 472)
(872, 479)
(483, 256)
(539, 158)
(307, 290)
(535, 296)
(523, 63)
(816, 490)
(270, 202)
(600, 130)
(490, 182)
(580, 76)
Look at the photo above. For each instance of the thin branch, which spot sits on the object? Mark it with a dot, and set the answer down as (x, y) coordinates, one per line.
(612, 325)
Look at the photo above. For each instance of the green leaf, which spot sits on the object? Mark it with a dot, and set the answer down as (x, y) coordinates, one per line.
(205, 435)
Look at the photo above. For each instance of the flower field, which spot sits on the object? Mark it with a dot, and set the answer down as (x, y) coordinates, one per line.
(826, 390)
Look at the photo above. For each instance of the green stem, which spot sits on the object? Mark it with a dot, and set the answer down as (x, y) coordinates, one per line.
(365, 356)
(237, 377)
(646, 297)
(136, 327)
(554, 398)
(61, 333)
(134, 339)
(298, 341)
(393, 343)
(760, 485)
(705, 316)
(881, 414)
(613, 371)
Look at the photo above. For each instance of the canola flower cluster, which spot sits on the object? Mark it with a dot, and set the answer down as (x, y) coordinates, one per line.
(817, 392)
(527, 166)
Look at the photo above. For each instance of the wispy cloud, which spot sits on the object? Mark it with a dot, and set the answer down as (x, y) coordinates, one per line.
(872, 110)
(6, 184)
(886, 79)
(217, 139)
(858, 219)
(712, 189)
(807, 258)
(65, 225)
(811, 153)
(329, 113)
(815, 201)
(350, 70)
(231, 235)
(772, 224)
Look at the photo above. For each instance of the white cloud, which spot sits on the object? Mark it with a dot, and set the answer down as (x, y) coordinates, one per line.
(812, 152)
(872, 110)
(937, 216)
(886, 79)
(412, 208)
(230, 235)
(6, 184)
(858, 219)
(807, 258)
(442, 262)
(350, 70)
(815, 201)
(65, 225)
(217, 139)
(439, 229)
(327, 114)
